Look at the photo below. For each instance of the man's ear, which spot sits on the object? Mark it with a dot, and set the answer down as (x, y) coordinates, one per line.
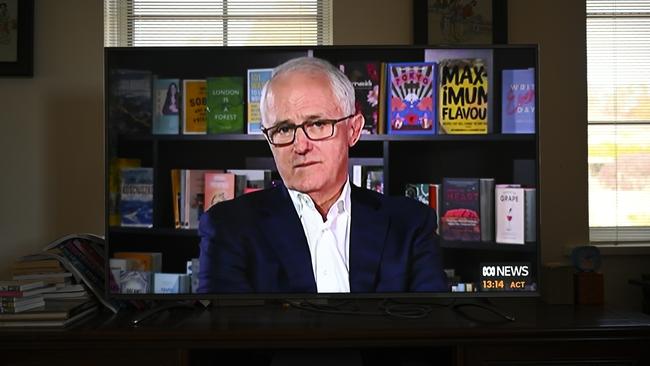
(354, 132)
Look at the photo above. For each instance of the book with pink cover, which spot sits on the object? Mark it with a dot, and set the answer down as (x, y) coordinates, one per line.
(218, 187)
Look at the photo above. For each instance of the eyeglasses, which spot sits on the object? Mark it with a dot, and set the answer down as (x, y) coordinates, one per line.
(285, 133)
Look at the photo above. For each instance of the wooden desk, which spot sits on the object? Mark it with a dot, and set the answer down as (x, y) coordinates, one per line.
(541, 335)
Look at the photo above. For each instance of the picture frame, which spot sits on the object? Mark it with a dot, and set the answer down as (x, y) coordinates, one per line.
(16, 38)
(460, 22)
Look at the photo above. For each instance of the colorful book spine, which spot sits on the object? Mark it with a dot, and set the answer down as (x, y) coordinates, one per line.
(136, 197)
(518, 101)
(460, 216)
(166, 106)
(463, 102)
(225, 110)
(410, 98)
(365, 79)
(257, 78)
(509, 211)
(195, 95)
(434, 203)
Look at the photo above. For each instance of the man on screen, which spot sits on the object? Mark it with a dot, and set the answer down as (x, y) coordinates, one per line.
(317, 232)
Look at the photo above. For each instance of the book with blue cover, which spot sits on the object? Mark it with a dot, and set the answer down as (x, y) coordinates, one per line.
(518, 101)
(166, 106)
(136, 197)
(411, 98)
(256, 80)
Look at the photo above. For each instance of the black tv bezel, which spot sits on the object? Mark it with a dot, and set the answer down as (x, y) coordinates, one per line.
(216, 297)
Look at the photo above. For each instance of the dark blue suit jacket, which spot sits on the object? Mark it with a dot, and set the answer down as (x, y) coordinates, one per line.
(256, 244)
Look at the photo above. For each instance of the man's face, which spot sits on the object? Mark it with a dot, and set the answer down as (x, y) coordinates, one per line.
(310, 166)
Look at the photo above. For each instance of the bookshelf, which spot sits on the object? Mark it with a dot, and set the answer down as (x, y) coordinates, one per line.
(509, 158)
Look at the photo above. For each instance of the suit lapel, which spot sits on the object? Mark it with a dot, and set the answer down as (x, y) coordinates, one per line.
(278, 218)
(367, 236)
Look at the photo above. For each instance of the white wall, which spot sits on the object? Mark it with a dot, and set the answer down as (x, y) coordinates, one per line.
(51, 145)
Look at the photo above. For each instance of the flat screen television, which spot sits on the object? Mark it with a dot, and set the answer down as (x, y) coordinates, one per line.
(473, 158)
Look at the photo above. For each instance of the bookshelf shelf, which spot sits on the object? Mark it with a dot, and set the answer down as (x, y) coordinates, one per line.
(492, 246)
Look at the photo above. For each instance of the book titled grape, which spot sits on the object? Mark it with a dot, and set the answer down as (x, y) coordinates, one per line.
(518, 101)
(166, 108)
(365, 79)
(225, 110)
(460, 214)
(463, 103)
(256, 80)
(136, 197)
(509, 212)
(410, 98)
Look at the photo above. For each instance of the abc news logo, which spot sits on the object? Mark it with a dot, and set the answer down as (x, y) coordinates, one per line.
(505, 270)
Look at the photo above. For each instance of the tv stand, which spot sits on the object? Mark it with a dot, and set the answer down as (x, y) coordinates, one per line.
(543, 335)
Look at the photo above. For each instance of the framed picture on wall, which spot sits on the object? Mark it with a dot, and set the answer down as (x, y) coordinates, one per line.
(16, 37)
(460, 22)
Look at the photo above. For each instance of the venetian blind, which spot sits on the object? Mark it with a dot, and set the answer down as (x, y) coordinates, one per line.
(618, 77)
(217, 23)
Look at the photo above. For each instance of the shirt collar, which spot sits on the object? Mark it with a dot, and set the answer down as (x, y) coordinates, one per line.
(302, 201)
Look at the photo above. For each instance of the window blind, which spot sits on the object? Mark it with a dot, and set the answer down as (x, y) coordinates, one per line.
(217, 23)
(618, 78)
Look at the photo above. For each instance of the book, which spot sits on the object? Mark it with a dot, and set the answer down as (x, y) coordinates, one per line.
(418, 191)
(19, 285)
(365, 79)
(135, 282)
(136, 197)
(256, 78)
(129, 98)
(381, 110)
(114, 168)
(32, 302)
(117, 266)
(460, 210)
(410, 98)
(530, 215)
(487, 209)
(144, 261)
(176, 197)
(171, 283)
(194, 95)
(193, 271)
(218, 187)
(54, 314)
(509, 212)
(166, 106)
(255, 178)
(375, 178)
(94, 281)
(27, 293)
(463, 102)
(434, 203)
(225, 108)
(194, 196)
(518, 101)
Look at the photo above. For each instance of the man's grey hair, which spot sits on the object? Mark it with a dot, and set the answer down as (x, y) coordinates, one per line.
(341, 86)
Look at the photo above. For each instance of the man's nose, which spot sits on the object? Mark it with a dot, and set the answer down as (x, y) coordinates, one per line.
(301, 142)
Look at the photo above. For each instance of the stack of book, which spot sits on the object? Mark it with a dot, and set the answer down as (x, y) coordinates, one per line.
(20, 296)
(40, 267)
(54, 313)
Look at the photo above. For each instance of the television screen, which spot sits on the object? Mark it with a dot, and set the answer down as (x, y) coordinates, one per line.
(279, 172)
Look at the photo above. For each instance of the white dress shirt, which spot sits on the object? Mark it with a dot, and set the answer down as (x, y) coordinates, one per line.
(329, 241)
